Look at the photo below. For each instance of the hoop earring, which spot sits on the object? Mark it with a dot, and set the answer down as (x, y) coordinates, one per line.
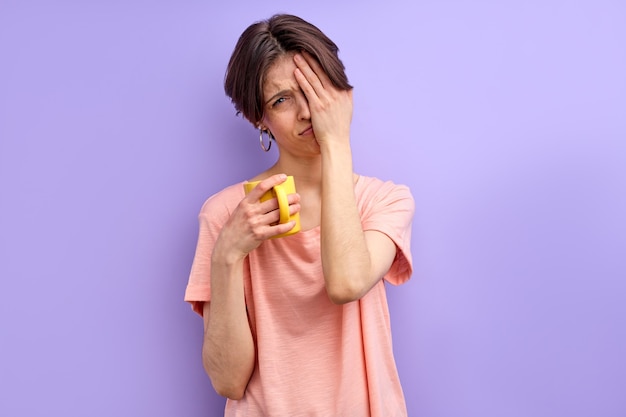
(269, 136)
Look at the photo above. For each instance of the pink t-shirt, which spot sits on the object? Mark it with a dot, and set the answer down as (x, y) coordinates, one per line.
(314, 358)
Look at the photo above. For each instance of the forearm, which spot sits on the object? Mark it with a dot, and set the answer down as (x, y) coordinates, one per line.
(345, 256)
(228, 349)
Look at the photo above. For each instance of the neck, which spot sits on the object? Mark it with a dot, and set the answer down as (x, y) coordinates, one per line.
(307, 171)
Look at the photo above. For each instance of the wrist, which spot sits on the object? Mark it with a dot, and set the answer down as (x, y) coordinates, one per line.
(225, 256)
(339, 144)
(336, 157)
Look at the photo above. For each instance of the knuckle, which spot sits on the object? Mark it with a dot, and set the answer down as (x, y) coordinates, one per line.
(249, 215)
(257, 234)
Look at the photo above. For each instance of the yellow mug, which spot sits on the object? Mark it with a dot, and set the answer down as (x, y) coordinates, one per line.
(280, 192)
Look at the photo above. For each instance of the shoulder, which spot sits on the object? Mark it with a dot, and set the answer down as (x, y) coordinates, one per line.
(371, 190)
(224, 201)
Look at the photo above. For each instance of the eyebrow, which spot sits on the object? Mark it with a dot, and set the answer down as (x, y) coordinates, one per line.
(280, 93)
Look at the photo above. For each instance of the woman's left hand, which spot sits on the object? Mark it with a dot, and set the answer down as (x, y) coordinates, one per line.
(330, 107)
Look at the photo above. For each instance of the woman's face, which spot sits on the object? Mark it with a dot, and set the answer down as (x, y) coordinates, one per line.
(286, 110)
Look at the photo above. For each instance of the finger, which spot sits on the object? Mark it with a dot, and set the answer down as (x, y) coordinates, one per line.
(306, 72)
(267, 225)
(316, 68)
(272, 216)
(282, 228)
(294, 208)
(272, 203)
(306, 86)
(266, 185)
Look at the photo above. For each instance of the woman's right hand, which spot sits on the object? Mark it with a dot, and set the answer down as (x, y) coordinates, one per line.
(254, 221)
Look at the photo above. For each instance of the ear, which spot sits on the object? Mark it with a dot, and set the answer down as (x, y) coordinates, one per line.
(260, 125)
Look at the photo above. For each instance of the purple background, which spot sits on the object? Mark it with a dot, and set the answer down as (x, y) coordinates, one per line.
(506, 119)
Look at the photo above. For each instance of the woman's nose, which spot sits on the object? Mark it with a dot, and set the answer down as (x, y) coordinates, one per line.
(304, 113)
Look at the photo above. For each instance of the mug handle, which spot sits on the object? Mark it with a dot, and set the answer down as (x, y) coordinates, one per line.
(283, 203)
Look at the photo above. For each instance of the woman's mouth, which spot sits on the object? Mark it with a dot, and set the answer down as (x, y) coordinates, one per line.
(307, 131)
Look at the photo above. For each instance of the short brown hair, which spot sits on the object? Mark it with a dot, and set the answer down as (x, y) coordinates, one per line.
(258, 48)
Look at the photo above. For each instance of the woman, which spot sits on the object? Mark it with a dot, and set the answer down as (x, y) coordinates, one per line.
(299, 325)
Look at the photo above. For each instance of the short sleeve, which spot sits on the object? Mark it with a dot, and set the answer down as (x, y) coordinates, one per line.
(389, 208)
(214, 214)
